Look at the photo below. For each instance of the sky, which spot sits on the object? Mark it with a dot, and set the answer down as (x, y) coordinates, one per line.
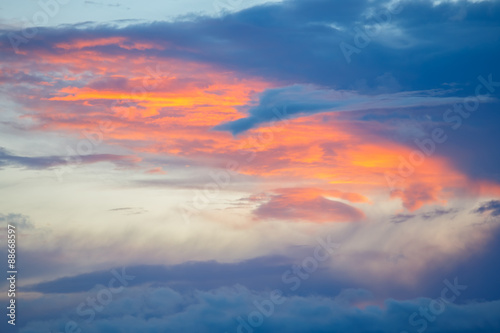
(251, 166)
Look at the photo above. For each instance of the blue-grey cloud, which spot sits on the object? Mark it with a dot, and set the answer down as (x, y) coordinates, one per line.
(491, 207)
(18, 220)
(231, 309)
(276, 105)
(437, 213)
(426, 215)
(50, 162)
(400, 218)
(298, 41)
(259, 273)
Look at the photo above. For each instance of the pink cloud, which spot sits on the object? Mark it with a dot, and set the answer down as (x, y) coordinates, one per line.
(306, 206)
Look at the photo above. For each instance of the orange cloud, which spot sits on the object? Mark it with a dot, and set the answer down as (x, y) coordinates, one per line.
(170, 107)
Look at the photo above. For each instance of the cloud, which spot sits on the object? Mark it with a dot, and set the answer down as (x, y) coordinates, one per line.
(309, 205)
(30, 162)
(156, 171)
(284, 55)
(436, 213)
(468, 147)
(283, 103)
(272, 40)
(416, 195)
(18, 220)
(258, 273)
(129, 210)
(492, 208)
(154, 309)
(50, 162)
(387, 259)
(400, 218)
(231, 74)
(89, 2)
